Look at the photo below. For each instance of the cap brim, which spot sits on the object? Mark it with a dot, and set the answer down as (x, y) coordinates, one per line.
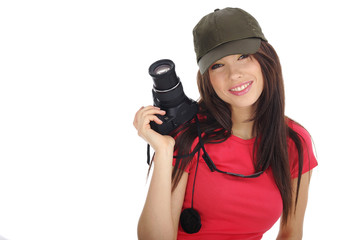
(243, 46)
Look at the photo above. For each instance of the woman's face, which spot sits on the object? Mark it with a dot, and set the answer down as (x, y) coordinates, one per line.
(237, 80)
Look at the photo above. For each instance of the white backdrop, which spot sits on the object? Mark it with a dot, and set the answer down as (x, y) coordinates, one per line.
(72, 75)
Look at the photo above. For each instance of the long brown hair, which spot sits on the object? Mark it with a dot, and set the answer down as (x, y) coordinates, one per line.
(270, 125)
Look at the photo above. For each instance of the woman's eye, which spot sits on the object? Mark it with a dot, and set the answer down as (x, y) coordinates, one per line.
(215, 66)
(243, 56)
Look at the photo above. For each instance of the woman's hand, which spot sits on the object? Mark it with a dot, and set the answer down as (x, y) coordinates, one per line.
(142, 124)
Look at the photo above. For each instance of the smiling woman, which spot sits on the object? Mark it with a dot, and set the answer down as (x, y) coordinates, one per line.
(241, 163)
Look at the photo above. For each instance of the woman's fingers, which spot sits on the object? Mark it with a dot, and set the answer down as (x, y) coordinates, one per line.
(146, 114)
(142, 120)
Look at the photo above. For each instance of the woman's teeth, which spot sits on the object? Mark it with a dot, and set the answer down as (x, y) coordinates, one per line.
(240, 88)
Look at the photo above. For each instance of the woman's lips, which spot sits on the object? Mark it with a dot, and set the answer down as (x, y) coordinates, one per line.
(241, 89)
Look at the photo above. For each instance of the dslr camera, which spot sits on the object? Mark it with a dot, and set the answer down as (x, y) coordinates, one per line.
(168, 95)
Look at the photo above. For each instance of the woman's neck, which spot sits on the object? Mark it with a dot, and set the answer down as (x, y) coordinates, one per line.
(241, 126)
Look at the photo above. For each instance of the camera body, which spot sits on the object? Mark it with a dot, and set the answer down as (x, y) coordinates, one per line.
(168, 95)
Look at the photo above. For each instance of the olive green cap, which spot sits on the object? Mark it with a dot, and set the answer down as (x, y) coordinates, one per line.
(225, 32)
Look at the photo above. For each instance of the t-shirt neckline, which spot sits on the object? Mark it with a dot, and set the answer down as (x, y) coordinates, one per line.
(241, 140)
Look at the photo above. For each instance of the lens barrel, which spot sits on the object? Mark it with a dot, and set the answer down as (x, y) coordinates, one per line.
(163, 74)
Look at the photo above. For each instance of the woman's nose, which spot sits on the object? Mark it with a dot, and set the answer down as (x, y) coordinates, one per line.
(235, 73)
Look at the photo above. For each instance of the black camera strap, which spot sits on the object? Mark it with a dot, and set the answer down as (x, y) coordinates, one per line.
(148, 154)
(206, 156)
(211, 164)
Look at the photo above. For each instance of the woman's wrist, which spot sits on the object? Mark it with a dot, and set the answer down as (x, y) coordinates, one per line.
(164, 156)
(165, 151)
(166, 146)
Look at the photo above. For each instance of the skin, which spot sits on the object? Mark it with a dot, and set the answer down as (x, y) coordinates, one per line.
(229, 72)
(161, 212)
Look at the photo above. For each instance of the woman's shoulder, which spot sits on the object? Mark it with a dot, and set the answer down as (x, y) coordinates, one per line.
(305, 142)
(299, 130)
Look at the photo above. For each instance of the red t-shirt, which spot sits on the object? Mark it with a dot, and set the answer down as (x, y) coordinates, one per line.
(234, 207)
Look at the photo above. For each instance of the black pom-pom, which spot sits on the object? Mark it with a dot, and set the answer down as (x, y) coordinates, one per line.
(190, 220)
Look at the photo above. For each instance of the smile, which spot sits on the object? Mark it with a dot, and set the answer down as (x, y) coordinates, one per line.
(241, 89)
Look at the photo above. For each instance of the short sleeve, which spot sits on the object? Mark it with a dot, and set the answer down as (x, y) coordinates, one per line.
(309, 159)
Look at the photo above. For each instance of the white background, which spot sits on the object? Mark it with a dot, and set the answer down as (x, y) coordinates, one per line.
(72, 76)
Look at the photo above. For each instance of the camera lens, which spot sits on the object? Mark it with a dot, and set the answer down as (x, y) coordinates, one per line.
(163, 74)
(162, 69)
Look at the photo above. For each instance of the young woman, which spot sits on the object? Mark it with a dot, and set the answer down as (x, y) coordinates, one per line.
(244, 163)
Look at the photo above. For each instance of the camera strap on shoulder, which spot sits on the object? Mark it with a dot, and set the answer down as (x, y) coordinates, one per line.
(206, 156)
(211, 164)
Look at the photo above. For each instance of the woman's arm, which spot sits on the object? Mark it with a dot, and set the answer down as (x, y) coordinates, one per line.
(293, 230)
(177, 198)
(161, 212)
(160, 215)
